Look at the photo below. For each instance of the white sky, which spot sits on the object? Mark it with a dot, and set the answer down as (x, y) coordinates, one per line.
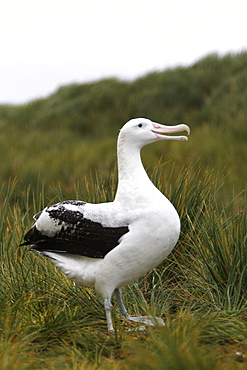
(49, 43)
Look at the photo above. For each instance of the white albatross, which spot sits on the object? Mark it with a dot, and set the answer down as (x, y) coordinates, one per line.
(109, 245)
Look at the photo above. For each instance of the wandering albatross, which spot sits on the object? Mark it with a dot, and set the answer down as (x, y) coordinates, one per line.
(109, 245)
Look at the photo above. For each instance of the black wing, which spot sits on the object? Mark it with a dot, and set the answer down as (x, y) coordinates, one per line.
(75, 234)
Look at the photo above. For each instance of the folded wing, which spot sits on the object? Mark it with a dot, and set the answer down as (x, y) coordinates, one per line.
(62, 228)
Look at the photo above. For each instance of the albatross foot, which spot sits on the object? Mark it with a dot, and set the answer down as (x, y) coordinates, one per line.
(146, 320)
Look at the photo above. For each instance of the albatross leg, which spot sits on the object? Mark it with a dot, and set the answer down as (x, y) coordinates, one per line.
(147, 320)
(118, 294)
(107, 304)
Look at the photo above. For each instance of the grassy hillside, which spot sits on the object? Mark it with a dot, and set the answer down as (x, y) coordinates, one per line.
(73, 132)
(65, 147)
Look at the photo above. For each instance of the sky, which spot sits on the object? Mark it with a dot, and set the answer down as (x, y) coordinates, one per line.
(51, 43)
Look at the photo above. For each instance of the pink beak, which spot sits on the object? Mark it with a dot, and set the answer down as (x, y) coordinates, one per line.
(162, 129)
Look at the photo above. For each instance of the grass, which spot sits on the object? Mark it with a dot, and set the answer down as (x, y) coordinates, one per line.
(72, 133)
(200, 290)
(64, 147)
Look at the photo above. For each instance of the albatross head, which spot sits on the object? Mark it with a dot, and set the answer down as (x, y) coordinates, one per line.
(143, 131)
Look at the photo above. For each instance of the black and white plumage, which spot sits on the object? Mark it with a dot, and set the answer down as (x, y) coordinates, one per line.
(109, 245)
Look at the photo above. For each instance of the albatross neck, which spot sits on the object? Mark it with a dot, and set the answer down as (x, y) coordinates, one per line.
(132, 177)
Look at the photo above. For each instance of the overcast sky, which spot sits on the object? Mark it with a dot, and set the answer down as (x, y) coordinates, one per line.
(49, 43)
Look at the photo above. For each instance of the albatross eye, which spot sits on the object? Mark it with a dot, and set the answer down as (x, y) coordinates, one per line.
(140, 125)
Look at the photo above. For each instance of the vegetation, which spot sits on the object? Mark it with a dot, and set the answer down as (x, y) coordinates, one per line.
(73, 132)
(64, 147)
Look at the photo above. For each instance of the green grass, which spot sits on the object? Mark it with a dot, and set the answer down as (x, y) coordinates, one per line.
(65, 147)
(72, 133)
(200, 290)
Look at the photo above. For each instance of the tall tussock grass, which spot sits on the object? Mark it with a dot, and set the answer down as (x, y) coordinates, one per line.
(199, 290)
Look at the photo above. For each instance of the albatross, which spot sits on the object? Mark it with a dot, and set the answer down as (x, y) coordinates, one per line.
(110, 245)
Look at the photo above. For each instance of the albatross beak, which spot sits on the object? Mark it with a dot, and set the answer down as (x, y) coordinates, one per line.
(159, 129)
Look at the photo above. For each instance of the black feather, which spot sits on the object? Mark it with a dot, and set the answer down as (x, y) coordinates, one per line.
(76, 235)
